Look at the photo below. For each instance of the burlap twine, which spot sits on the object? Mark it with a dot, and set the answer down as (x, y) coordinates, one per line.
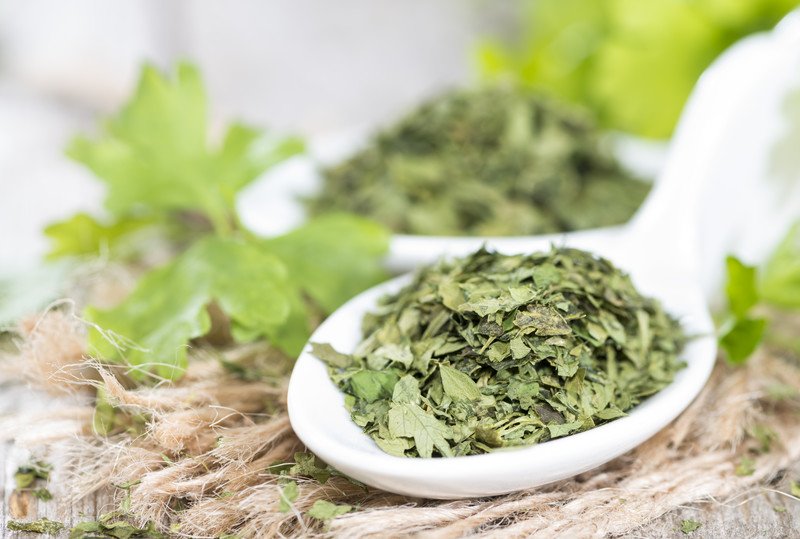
(202, 465)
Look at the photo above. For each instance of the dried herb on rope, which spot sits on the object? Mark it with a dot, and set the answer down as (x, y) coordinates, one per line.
(495, 351)
(485, 162)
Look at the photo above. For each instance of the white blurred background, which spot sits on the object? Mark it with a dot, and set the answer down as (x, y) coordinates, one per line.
(318, 68)
(303, 66)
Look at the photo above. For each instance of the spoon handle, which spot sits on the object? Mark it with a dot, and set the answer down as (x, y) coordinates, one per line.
(668, 223)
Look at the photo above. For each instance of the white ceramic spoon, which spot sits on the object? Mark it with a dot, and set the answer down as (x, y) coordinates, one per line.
(658, 250)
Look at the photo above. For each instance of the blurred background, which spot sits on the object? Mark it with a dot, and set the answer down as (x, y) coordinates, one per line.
(317, 68)
(299, 66)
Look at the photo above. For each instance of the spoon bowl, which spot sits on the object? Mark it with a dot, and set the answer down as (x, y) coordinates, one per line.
(659, 248)
(319, 418)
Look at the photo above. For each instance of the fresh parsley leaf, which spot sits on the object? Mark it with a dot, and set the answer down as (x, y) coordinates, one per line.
(333, 257)
(82, 234)
(741, 337)
(325, 510)
(155, 157)
(151, 327)
(159, 167)
(780, 281)
(740, 288)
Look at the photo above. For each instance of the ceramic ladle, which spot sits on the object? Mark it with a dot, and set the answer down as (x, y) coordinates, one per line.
(658, 249)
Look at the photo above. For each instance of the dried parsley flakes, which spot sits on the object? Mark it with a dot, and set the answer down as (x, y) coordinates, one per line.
(495, 351)
(488, 162)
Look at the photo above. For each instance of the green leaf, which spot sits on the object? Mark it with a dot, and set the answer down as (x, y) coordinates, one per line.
(458, 385)
(329, 355)
(780, 281)
(333, 257)
(740, 287)
(43, 494)
(406, 390)
(409, 420)
(24, 293)
(746, 466)
(43, 526)
(288, 494)
(25, 476)
(116, 525)
(82, 234)
(307, 465)
(325, 510)
(740, 338)
(688, 526)
(634, 63)
(373, 385)
(151, 328)
(154, 156)
(647, 65)
(794, 488)
(530, 370)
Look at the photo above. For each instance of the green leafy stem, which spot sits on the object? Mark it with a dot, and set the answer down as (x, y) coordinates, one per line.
(164, 179)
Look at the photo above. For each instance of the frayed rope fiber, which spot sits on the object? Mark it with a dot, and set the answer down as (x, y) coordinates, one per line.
(204, 458)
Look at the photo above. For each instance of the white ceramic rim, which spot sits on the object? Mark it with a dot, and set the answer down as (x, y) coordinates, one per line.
(493, 473)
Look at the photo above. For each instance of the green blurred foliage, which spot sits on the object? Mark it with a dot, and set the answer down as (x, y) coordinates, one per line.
(634, 62)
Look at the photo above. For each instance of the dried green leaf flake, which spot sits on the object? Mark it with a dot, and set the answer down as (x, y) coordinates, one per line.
(458, 385)
(114, 525)
(410, 421)
(288, 494)
(688, 526)
(325, 510)
(307, 465)
(499, 360)
(43, 526)
(794, 488)
(489, 162)
(746, 466)
(25, 476)
(42, 494)
(329, 355)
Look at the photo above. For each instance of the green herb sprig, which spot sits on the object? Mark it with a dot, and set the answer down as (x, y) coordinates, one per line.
(634, 63)
(163, 175)
(752, 294)
(494, 351)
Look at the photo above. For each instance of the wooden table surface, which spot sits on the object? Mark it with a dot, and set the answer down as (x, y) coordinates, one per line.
(761, 513)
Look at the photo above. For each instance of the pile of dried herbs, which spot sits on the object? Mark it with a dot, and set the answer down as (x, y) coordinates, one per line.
(494, 351)
(489, 162)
